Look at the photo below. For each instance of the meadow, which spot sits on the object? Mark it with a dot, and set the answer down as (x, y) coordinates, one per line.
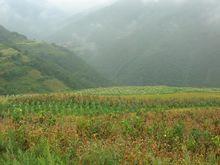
(121, 125)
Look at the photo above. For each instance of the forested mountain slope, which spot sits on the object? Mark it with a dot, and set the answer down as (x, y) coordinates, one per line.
(29, 66)
(166, 42)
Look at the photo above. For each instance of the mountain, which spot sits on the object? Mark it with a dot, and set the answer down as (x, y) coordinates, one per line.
(29, 66)
(163, 42)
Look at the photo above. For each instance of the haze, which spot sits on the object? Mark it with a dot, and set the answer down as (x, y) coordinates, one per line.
(71, 6)
(77, 5)
(109, 82)
(129, 42)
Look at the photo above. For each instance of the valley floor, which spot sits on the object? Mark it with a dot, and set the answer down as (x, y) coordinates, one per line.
(127, 125)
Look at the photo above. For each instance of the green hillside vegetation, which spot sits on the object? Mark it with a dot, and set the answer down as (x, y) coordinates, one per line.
(126, 125)
(30, 66)
(152, 43)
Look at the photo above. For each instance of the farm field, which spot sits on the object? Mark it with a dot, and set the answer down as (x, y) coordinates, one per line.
(120, 125)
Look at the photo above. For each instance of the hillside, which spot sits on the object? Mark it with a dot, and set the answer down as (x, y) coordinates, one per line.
(149, 43)
(30, 66)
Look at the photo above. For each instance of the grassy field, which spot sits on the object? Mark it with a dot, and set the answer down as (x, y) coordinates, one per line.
(121, 125)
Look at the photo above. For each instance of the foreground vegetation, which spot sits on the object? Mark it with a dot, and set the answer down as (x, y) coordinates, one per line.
(112, 126)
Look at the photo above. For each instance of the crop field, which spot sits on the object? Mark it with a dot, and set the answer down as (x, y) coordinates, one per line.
(121, 125)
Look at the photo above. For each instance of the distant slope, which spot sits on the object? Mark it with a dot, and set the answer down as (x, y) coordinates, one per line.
(29, 66)
(153, 43)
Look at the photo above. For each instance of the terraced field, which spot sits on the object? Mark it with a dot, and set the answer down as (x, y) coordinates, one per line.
(121, 125)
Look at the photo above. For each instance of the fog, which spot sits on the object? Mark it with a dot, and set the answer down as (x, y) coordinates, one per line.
(130, 42)
(64, 5)
(77, 5)
(33, 17)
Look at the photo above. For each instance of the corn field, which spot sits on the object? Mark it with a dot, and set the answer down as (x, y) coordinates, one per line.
(166, 126)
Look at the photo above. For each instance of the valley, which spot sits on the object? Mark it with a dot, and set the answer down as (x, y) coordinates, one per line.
(110, 82)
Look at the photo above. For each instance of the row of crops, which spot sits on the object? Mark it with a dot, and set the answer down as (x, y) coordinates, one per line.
(79, 104)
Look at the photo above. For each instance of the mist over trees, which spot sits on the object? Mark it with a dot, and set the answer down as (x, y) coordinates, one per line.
(133, 42)
(150, 42)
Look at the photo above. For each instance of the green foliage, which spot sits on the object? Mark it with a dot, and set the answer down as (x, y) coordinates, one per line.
(14, 73)
(62, 68)
(134, 127)
(99, 156)
(201, 142)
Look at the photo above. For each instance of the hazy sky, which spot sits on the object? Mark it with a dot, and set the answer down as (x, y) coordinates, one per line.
(77, 5)
(64, 5)
(27, 16)
(69, 6)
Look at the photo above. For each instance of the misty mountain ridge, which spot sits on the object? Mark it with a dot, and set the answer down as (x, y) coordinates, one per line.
(131, 42)
(135, 42)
